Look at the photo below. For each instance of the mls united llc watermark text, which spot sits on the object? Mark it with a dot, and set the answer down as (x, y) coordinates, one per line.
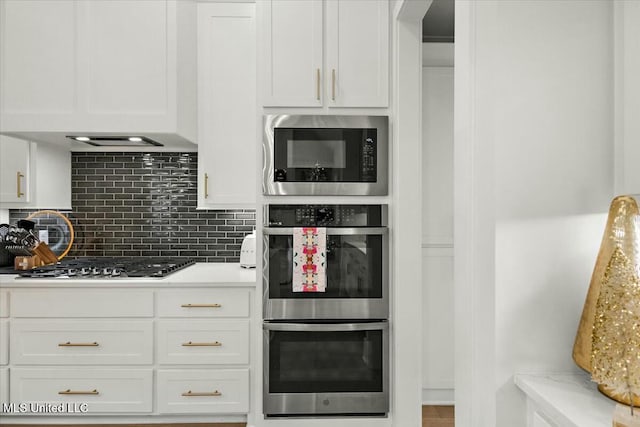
(44, 408)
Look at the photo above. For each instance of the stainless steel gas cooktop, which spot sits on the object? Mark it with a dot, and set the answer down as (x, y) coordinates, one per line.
(109, 268)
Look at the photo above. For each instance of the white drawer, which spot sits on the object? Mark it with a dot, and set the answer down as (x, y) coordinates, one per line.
(90, 342)
(204, 303)
(4, 303)
(219, 391)
(4, 342)
(4, 385)
(82, 303)
(203, 341)
(104, 390)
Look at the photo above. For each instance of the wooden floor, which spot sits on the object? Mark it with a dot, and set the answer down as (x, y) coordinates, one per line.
(432, 416)
(437, 416)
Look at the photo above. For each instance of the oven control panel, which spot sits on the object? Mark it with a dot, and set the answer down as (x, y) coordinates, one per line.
(326, 216)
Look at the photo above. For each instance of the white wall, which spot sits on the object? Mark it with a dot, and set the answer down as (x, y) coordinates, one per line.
(437, 230)
(552, 131)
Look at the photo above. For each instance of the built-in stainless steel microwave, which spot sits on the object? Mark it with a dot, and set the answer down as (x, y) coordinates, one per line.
(325, 155)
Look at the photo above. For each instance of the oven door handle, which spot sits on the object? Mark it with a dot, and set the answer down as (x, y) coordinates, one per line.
(355, 231)
(325, 327)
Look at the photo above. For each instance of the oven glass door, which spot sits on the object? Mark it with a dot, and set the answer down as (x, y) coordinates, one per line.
(324, 155)
(356, 264)
(343, 366)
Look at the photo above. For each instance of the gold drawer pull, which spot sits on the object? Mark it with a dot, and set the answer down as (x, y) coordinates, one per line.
(78, 344)
(201, 305)
(202, 344)
(69, 391)
(203, 393)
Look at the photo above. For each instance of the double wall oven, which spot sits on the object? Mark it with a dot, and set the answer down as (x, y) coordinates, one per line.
(326, 353)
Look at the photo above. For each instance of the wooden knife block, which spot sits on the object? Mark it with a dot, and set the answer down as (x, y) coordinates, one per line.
(42, 256)
(27, 262)
(46, 255)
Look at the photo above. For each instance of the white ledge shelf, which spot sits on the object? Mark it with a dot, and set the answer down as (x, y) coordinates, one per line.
(565, 400)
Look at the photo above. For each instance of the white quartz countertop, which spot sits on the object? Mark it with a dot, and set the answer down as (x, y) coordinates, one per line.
(570, 399)
(203, 274)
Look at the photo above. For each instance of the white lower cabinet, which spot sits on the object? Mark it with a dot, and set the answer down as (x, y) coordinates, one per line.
(4, 385)
(203, 341)
(103, 390)
(66, 303)
(183, 391)
(134, 351)
(90, 342)
(4, 303)
(204, 303)
(4, 342)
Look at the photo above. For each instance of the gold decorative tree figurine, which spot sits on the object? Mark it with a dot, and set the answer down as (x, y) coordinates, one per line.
(620, 235)
(615, 350)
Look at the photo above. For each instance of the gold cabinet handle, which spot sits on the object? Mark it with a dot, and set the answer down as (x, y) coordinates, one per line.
(202, 344)
(206, 185)
(333, 84)
(19, 177)
(201, 305)
(78, 344)
(190, 393)
(69, 391)
(318, 84)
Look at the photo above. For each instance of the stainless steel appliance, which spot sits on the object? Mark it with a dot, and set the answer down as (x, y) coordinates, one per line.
(325, 155)
(315, 369)
(356, 266)
(109, 268)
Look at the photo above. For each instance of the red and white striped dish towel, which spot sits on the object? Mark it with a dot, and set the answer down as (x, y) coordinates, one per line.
(309, 259)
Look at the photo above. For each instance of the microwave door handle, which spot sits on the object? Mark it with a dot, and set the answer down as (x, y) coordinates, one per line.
(383, 231)
(325, 327)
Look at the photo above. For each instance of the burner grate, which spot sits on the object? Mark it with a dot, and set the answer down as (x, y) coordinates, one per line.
(109, 268)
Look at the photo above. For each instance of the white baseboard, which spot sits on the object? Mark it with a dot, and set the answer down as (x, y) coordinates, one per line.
(440, 396)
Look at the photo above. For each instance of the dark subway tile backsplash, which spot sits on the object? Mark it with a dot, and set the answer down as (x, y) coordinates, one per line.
(144, 204)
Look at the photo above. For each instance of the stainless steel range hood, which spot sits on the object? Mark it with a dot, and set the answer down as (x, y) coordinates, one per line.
(115, 140)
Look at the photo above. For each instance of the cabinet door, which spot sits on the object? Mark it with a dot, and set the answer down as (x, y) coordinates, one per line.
(14, 171)
(293, 53)
(103, 390)
(219, 342)
(4, 385)
(210, 391)
(227, 98)
(127, 55)
(38, 44)
(357, 73)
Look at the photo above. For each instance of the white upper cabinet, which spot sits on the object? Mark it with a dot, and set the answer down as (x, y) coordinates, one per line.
(226, 106)
(293, 53)
(357, 40)
(34, 175)
(38, 43)
(351, 35)
(127, 57)
(14, 173)
(113, 66)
